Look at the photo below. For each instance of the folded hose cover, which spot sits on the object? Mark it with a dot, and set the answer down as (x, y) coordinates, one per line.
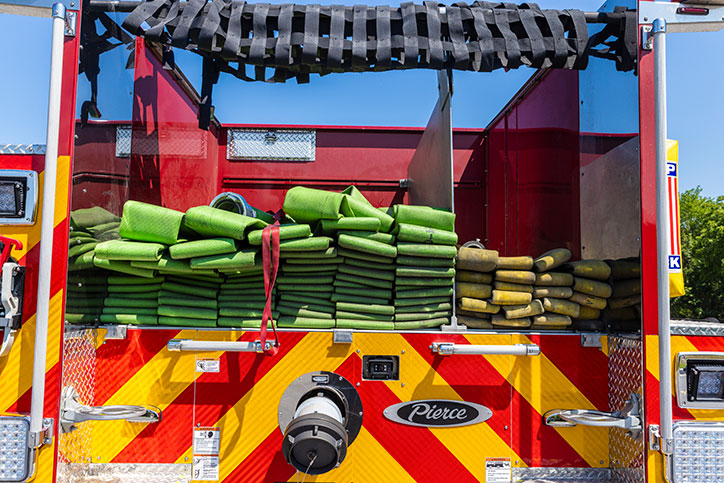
(307, 205)
(151, 223)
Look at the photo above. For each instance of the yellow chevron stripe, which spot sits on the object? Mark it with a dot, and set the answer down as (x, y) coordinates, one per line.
(422, 382)
(251, 416)
(30, 235)
(44, 464)
(540, 382)
(159, 382)
(369, 461)
(679, 344)
(17, 376)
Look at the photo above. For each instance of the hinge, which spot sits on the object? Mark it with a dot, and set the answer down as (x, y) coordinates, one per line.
(591, 340)
(71, 19)
(654, 437)
(647, 39)
(115, 332)
(343, 336)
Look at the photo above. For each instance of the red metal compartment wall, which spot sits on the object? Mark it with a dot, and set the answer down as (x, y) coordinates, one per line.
(374, 159)
(533, 163)
(171, 157)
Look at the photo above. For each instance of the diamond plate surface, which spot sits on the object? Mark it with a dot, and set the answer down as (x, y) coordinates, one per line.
(22, 148)
(123, 141)
(700, 328)
(625, 377)
(568, 475)
(79, 367)
(272, 145)
(171, 140)
(128, 473)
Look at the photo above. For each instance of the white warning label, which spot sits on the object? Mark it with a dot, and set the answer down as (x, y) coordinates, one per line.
(206, 441)
(206, 468)
(498, 470)
(208, 365)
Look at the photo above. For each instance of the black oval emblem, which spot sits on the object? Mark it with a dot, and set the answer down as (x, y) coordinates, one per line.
(437, 413)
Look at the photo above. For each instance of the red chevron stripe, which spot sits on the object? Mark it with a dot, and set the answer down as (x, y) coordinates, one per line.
(585, 367)
(536, 443)
(704, 344)
(22, 405)
(30, 297)
(416, 449)
(266, 463)
(117, 361)
(472, 378)
(212, 396)
(217, 393)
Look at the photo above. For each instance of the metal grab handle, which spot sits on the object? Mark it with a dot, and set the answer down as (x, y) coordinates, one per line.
(185, 345)
(72, 411)
(628, 418)
(449, 348)
(10, 302)
(596, 418)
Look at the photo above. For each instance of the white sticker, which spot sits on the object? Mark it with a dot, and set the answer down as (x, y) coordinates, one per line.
(208, 365)
(206, 468)
(498, 470)
(206, 441)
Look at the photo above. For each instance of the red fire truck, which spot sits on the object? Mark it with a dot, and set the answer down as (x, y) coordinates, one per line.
(578, 158)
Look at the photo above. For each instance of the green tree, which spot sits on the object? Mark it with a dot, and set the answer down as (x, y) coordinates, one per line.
(702, 247)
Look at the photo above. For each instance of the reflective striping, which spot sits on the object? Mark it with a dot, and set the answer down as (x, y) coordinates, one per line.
(423, 382)
(239, 372)
(535, 445)
(159, 382)
(126, 356)
(417, 449)
(16, 367)
(530, 375)
(313, 353)
(266, 462)
(371, 459)
(585, 367)
(44, 463)
(682, 344)
(30, 235)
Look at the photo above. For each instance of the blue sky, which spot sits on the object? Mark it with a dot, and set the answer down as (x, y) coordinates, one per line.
(696, 99)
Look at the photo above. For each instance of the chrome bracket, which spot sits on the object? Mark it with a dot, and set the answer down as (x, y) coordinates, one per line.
(44, 436)
(443, 348)
(654, 437)
(343, 336)
(71, 20)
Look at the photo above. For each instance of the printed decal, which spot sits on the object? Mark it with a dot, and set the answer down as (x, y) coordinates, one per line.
(437, 413)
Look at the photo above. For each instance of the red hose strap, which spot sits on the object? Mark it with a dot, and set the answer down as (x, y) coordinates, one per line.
(8, 243)
(270, 257)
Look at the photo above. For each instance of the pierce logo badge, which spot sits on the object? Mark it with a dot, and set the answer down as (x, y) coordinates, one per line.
(437, 413)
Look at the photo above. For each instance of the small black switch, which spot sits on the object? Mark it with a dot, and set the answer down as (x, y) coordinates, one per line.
(381, 368)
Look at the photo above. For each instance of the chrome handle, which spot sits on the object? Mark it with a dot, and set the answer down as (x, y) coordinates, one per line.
(449, 348)
(185, 345)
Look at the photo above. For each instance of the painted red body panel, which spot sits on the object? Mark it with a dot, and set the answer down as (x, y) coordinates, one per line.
(171, 156)
(533, 170)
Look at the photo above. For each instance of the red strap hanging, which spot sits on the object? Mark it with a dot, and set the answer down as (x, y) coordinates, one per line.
(270, 257)
(8, 243)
